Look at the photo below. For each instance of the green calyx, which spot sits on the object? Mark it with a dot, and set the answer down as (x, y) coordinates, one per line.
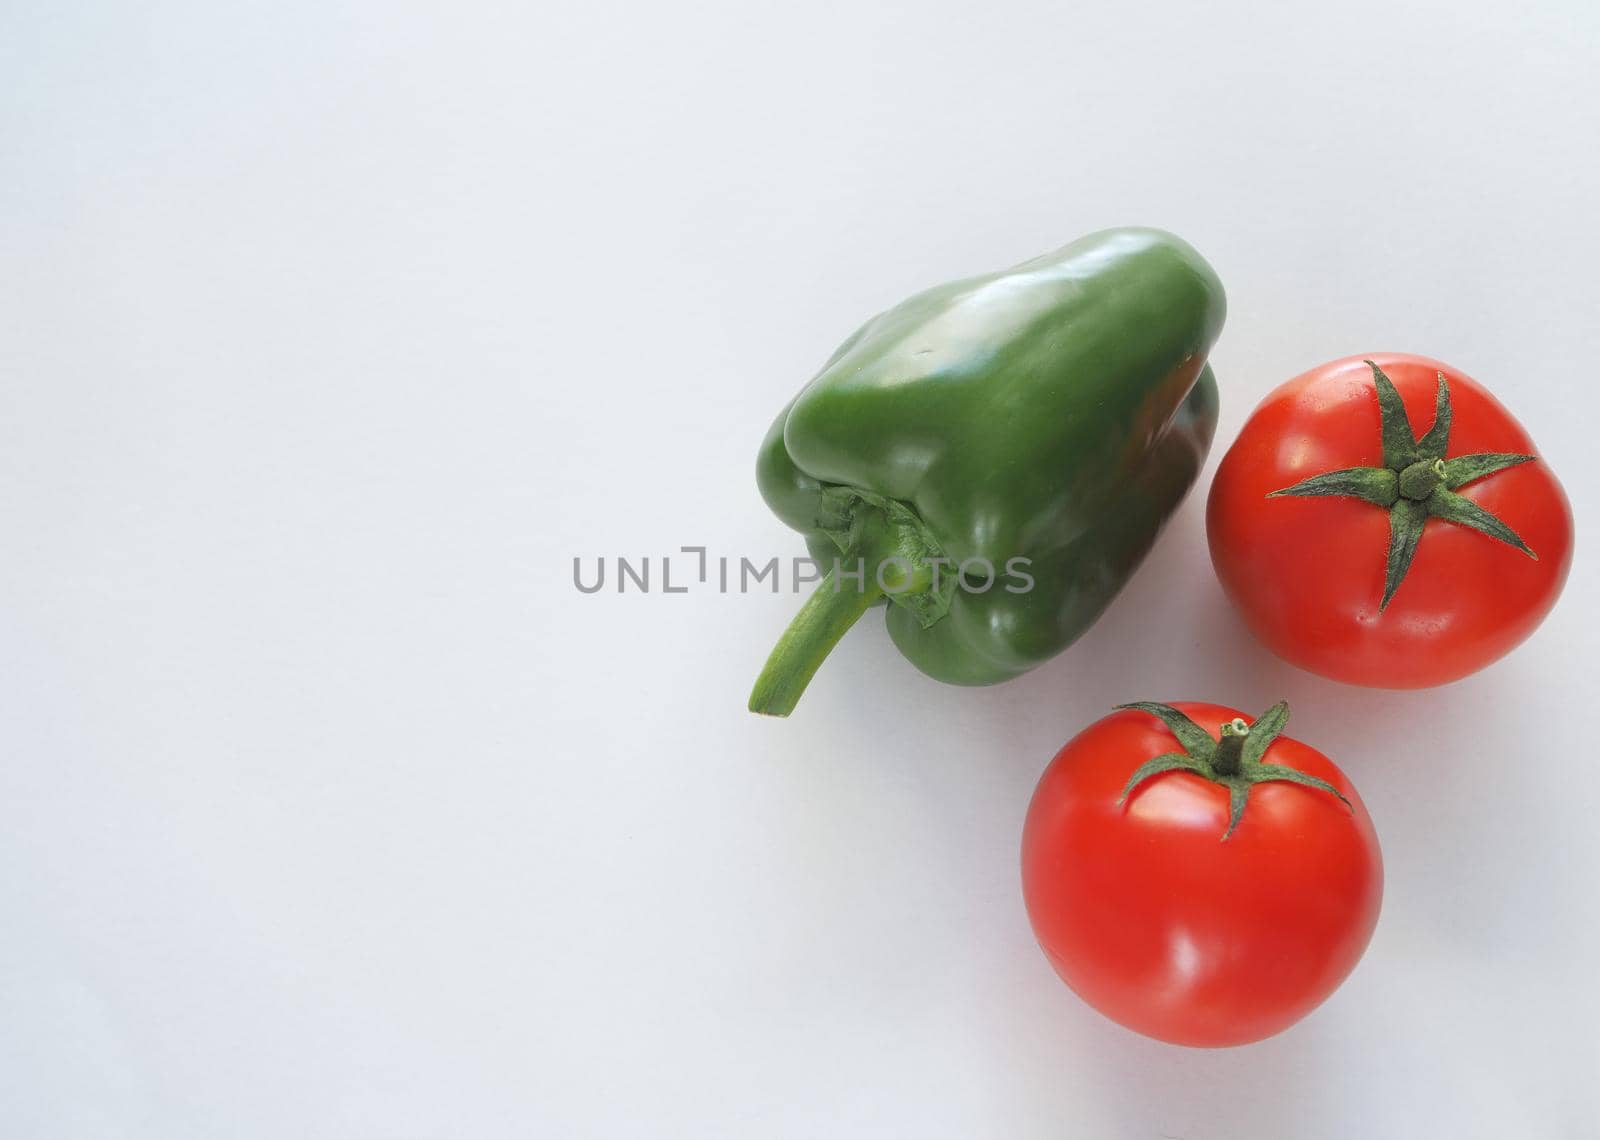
(1416, 481)
(1234, 761)
(895, 545)
(885, 551)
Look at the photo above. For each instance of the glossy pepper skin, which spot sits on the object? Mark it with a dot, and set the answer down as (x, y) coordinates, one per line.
(1056, 412)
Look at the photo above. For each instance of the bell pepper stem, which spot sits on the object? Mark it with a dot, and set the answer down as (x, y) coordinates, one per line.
(811, 636)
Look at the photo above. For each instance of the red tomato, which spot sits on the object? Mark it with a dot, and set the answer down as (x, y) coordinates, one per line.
(1160, 923)
(1308, 573)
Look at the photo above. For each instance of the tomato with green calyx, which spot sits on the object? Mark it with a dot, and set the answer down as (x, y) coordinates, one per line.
(1359, 548)
(1202, 885)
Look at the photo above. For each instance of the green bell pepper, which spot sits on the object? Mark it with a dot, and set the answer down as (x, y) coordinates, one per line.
(1038, 423)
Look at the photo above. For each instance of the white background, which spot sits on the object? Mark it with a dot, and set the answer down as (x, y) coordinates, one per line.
(329, 335)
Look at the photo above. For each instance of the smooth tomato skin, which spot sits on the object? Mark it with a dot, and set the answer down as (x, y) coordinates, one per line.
(1156, 921)
(1307, 573)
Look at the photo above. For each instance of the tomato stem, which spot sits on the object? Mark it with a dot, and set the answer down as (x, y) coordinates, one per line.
(1416, 481)
(1227, 759)
(1235, 761)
